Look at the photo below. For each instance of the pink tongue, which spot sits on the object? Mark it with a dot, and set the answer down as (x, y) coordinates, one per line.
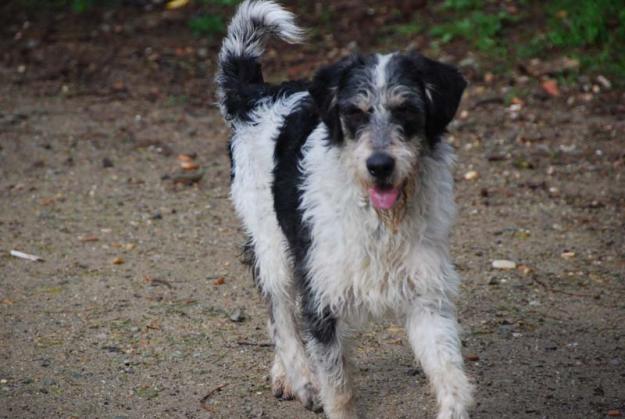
(383, 198)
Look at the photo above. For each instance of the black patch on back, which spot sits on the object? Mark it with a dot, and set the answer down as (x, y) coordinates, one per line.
(243, 85)
(287, 195)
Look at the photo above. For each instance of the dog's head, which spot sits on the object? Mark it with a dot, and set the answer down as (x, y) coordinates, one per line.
(386, 112)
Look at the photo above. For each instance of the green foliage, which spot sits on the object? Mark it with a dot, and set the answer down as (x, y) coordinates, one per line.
(480, 28)
(591, 30)
(77, 6)
(459, 5)
(220, 2)
(408, 29)
(211, 22)
(208, 25)
(80, 6)
(582, 23)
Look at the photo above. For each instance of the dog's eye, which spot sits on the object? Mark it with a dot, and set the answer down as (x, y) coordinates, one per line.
(356, 112)
(405, 110)
(356, 117)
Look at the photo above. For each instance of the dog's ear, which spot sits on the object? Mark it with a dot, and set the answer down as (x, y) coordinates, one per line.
(444, 86)
(324, 91)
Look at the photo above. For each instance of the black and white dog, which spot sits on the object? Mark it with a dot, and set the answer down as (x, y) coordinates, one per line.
(345, 189)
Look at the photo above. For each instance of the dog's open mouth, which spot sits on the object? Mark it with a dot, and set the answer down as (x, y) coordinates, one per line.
(384, 197)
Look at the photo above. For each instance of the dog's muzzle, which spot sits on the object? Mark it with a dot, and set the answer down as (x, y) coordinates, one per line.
(383, 195)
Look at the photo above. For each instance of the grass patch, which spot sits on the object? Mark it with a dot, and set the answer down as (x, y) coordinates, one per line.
(207, 25)
(593, 30)
(480, 28)
(211, 21)
(77, 6)
(409, 29)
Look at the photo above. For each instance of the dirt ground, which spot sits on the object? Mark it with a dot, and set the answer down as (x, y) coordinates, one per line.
(141, 306)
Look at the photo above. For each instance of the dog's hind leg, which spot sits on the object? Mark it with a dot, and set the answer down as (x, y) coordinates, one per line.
(291, 374)
(433, 334)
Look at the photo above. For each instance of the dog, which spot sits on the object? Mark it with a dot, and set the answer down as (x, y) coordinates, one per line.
(344, 187)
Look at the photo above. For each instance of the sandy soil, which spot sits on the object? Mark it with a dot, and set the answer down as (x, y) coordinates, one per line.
(131, 313)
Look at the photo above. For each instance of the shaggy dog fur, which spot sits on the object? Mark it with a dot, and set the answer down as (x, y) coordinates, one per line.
(344, 187)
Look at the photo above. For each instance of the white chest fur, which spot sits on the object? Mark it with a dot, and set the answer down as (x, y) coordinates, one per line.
(356, 264)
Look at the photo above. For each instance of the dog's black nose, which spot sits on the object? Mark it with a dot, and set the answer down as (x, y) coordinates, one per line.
(380, 165)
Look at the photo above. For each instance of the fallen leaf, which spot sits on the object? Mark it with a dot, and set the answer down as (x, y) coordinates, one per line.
(154, 325)
(90, 238)
(473, 357)
(517, 101)
(219, 281)
(176, 4)
(117, 261)
(185, 157)
(568, 255)
(524, 270)
(615, 413)
(551, 87)
(189, 165)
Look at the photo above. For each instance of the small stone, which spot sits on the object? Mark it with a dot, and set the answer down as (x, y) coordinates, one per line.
(604, 81)
(157, 216)
(471, 175)
(237, 316)
(568, 255)
(107, 163)
(48, 382)
(504, 330)
(504, 264)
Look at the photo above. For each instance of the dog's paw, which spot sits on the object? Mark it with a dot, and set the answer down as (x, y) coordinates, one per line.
(308, 394)
(281, 388)
(453, 412)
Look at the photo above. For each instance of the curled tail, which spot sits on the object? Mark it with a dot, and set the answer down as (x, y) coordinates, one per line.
(239, 75)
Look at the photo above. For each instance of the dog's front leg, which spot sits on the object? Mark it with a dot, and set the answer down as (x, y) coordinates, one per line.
(327, 349)
(433, 334)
